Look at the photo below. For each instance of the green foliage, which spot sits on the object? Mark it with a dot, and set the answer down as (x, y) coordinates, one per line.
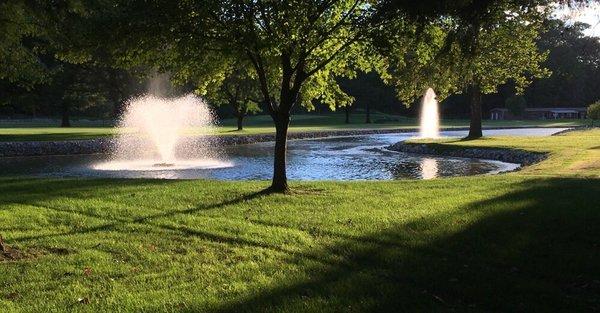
(417, 59)
(487, 47)
(516, 105)
(239, 89)
(44, 69)
(82, 89)
(36, 32)
(296, 48)
(509, 53)
(574, 60)
(20, 28)
(593, 111)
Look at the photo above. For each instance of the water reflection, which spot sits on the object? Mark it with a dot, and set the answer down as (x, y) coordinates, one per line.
(429, 168)
(341, 158)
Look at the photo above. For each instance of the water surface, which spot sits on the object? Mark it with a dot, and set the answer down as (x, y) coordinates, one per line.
(334, 158)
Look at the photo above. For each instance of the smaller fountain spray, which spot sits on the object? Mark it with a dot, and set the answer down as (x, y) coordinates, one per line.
(430, 119)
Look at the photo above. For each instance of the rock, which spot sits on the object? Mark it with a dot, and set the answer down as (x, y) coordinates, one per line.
(505, 155)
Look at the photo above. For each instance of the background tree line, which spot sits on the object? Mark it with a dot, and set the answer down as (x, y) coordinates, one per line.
(99, 91)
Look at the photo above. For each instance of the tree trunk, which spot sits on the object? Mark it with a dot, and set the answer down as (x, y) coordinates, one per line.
(475, 125)
(117, 108)
(347, 109)
(282, 122)
(240, 120)
(65, 122)
(368, 118)
(114, 92)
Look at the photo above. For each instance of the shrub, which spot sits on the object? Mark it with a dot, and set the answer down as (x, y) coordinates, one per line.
(593, 111)
(516, 105)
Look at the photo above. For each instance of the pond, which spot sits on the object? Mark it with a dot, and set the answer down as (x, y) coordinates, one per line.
(333, 158)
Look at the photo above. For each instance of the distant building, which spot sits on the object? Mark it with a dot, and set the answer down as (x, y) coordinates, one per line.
(540, 113)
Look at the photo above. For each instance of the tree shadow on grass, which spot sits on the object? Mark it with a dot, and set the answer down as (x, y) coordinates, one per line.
(534, 249)
(31, 190)
(113, 222)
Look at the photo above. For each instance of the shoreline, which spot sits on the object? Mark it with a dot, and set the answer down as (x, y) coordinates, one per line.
(506, 155)
(104, 145)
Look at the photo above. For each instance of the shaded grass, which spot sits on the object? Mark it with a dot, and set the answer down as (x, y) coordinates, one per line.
(260, 124)
(515, 242)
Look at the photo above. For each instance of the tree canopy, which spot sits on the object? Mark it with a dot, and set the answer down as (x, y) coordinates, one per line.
(239, 91)
(574, 60)
(22, 39)
(472, 46)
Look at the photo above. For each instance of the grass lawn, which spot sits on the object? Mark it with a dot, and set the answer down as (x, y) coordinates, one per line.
(524, 241)
(260, 124)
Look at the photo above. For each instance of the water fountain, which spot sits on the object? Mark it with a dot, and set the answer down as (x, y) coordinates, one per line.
(152, 136)
(429, 168)
(430, 119)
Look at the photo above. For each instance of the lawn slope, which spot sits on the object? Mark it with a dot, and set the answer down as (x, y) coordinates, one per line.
(524, 241)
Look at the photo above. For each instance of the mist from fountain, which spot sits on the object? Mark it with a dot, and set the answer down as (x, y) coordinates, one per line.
(155, 134)
(430, 119)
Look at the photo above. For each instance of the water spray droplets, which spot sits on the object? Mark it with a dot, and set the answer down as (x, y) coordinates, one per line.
(430, 119)
(159, 133)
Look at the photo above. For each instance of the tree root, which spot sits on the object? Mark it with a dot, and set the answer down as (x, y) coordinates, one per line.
(3, 247)
(7, 253)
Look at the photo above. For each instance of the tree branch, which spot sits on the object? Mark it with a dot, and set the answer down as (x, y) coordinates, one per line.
(324, 63)
(262, 78)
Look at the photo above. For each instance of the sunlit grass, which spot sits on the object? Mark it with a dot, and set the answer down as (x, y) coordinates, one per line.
(569, 154)
(511, 242)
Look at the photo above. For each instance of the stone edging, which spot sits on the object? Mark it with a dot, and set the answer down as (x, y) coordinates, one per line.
(572, 129)
(505, 155)
(103, 145)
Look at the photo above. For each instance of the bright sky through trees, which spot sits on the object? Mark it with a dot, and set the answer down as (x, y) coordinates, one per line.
(589, 14)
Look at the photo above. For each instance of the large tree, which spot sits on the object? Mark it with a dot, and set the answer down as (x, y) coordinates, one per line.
(502, 49)
(469, 46)
(296, 48)
(574, 60)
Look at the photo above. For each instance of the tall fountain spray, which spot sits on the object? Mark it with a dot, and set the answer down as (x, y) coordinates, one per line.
(430, 119)
(155, 133)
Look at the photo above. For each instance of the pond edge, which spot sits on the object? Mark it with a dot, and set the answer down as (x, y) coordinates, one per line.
(518, 156)
(104, 145)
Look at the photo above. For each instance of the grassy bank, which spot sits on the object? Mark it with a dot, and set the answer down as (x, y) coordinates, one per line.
(524, 241)
(261, 124)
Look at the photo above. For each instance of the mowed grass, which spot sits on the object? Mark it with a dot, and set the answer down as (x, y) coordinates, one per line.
(260, 124)
(524, 241)
(54, 133)
(572, 153)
